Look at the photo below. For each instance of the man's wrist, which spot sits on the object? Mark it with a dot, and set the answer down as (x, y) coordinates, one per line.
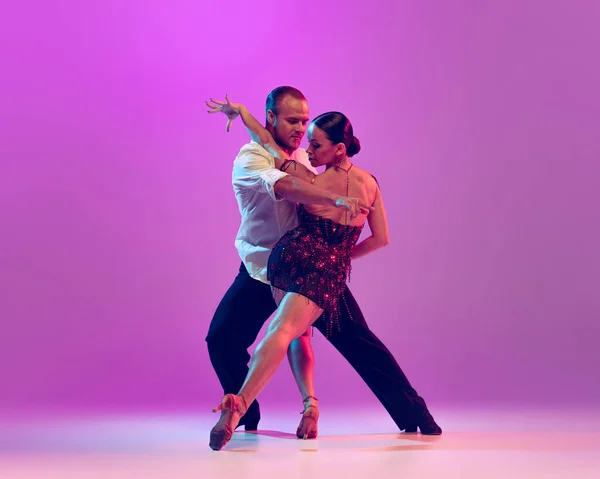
(286, 164)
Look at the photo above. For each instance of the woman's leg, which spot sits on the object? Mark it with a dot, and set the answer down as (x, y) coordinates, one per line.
(294, 316)
(300, 356)
(302, 361)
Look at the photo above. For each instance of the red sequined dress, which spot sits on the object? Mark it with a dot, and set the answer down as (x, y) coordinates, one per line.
(313, 260)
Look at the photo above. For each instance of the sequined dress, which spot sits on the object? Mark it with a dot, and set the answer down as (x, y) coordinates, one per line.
(313, 260)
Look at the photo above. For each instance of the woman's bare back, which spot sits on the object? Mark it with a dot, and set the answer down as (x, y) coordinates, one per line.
(355, 182)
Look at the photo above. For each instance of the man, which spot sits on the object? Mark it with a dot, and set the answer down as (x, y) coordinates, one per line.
(266, 197)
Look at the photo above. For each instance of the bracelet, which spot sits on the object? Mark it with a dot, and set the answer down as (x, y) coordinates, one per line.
(286, 164)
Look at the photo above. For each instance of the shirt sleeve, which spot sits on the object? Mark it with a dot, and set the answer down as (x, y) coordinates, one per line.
(254, 168)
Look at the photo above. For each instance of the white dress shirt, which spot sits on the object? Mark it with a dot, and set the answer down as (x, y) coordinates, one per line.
(265, 216)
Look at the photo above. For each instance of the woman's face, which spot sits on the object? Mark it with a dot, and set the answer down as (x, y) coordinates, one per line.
(321, 151)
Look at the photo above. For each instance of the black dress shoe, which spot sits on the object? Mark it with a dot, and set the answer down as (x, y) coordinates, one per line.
(249, 421)
(426, 424)
(249, 425)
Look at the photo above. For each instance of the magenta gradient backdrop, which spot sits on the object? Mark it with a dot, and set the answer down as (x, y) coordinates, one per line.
(480, 119)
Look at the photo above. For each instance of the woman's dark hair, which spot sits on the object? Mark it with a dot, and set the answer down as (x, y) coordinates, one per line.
(339, 130)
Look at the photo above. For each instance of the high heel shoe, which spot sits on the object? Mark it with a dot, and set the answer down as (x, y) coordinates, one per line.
(232, 408)
(308, 427)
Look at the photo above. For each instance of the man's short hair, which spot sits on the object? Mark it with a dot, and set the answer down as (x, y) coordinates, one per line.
(274, 98)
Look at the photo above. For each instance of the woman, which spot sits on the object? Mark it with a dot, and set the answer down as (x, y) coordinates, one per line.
(309, 266)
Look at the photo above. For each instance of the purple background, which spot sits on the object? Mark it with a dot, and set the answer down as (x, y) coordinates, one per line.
(480, 119)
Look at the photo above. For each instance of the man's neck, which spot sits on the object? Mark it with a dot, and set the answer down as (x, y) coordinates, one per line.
(283, 147)
(288, 152)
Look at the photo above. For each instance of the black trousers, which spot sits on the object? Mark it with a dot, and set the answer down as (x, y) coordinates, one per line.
(246, 306)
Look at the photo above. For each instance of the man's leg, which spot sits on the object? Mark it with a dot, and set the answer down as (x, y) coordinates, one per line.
(378, 368)
(246, 306)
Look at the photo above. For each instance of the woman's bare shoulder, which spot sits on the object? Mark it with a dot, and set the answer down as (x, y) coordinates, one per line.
(365, 176)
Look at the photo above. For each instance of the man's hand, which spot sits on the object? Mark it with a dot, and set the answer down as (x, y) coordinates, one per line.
(231, 110)
(355, 206)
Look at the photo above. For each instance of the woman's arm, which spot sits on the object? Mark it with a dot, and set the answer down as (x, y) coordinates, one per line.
(380, 235)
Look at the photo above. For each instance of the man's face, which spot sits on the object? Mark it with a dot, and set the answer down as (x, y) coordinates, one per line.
(290, 123)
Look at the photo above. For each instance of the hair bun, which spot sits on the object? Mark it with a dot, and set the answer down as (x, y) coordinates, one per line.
(354, 147)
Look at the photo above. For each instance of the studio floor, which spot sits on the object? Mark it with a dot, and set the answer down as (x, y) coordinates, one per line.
(477, 443)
